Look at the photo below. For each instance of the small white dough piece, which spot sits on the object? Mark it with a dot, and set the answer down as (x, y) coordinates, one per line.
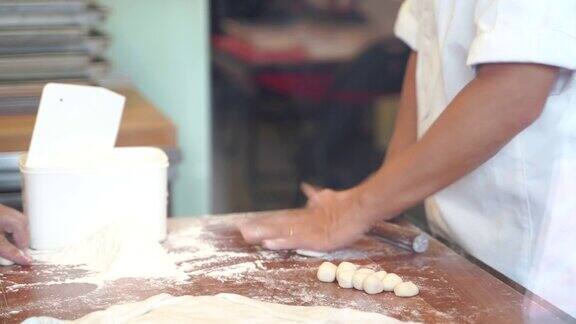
(312, 254)
(327, 272)
(406, 289)
(359, 276)
(390, 281)
(5, 262)
(381, 274)
(344, 278)
(373, 284)
(344, 266)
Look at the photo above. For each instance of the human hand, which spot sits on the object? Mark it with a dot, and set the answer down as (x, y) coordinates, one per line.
(331, 220)
(310, 191)
(14, 237)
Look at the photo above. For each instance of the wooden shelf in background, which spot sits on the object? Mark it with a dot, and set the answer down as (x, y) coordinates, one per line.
(142, 125)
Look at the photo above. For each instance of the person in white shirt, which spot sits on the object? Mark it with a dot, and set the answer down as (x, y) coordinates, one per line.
(485, 135)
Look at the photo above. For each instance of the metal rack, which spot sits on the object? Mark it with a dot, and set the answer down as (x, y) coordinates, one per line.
(45, 41)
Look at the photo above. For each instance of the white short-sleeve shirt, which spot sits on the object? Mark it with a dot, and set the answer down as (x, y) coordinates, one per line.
(507, 212)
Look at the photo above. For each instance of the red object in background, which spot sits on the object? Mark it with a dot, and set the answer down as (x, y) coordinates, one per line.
(248, 53)
(313, 86)
(301, 85)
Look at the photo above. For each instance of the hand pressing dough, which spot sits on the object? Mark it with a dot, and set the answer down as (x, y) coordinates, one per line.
(327, 272)
(344, 278)
(359, 276)
(373, 284)
(344, 266)
(221, 308)
(381, 274)
(406, 289)
(390, 281)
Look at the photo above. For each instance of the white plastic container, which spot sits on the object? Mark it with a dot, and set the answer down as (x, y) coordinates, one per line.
(70, 201)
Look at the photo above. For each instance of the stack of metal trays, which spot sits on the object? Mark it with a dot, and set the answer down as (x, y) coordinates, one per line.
(48, 41)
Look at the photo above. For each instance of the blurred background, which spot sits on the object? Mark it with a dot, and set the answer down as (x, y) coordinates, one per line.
(248, 97)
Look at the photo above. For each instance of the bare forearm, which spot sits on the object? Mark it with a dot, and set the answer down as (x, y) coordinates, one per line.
(405, 125)
(487, 114)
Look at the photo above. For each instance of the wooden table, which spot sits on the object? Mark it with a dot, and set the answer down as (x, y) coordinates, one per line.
(453, 290)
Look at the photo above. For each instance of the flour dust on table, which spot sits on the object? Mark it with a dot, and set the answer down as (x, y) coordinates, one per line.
(116, 251)
(221, 308)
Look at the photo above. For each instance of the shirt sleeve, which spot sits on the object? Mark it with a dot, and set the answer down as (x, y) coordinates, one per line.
(406, 27)
(525, 31)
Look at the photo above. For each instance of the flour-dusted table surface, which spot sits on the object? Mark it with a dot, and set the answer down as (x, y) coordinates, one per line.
(212, 252)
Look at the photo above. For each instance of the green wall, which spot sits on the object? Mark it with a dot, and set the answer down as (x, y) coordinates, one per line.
(163, 47)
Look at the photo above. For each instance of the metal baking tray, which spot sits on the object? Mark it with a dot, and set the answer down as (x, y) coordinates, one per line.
(94, 44)
(50, 66)
(42, 34)
(92, 16)
(17, 98)
(44, 6)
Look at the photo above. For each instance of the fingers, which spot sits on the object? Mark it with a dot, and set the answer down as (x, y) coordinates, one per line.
(280, 232)
(12, 253)
(309, 190)
(15, 223)
(258, 230)
(255, 233)
(288, 243)
(297, 241)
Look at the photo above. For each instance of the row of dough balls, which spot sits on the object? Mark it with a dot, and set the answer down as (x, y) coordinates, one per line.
(348, 275)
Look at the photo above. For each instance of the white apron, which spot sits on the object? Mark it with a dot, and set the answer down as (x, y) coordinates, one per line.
(517, 211)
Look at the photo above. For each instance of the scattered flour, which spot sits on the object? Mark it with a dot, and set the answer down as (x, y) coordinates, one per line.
(120, 251)
(196, 252)
(116, 251)
(227, 272)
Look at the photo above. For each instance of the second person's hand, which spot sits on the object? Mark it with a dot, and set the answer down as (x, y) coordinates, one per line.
(13, 236)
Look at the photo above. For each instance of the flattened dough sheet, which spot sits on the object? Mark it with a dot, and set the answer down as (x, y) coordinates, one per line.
(221, 308)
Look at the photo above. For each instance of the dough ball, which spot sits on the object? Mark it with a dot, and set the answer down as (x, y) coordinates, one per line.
(344, 266)
(373, 284)
(344, 278)
(381, 274)
(406, 289)
(359, 276)
(5, 262)
(327, 272)
(390, 281)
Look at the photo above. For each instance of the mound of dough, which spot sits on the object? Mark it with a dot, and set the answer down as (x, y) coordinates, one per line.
(406, 289)
(344, 278)
(390, 281)
(359, 276)
(348, 275)
(373, 284)
(221, 308)
(345, 266)
(381, 274)
(326, 272)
